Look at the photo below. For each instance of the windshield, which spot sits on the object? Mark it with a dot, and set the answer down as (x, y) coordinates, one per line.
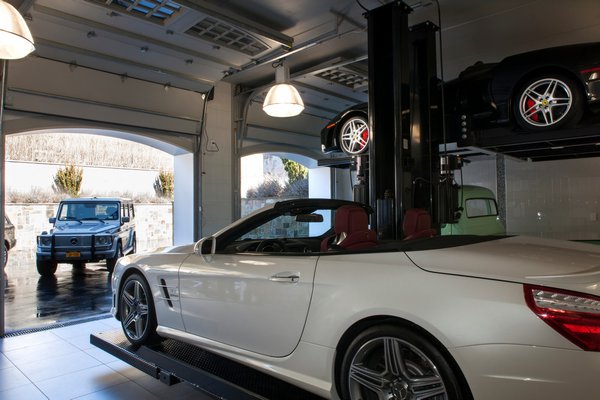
(106, 211)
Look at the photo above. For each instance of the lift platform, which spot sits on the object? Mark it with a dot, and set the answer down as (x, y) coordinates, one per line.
(173, 362)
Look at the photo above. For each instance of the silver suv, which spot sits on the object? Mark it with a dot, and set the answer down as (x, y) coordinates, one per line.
(87, 230)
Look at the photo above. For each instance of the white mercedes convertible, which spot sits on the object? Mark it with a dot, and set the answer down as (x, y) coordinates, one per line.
(303, 290)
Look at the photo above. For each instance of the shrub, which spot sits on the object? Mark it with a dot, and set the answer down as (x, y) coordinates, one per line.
(164, 185)
(269, 188)
(68, 180)
(295, 171)
(296, 189)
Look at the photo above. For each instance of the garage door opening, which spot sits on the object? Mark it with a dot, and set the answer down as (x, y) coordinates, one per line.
(110, 165)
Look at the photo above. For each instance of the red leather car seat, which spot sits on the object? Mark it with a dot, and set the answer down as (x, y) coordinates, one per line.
(417, 224)
(351, 230)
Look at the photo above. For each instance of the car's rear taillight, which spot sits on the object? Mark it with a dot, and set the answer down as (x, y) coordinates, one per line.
(574, 315)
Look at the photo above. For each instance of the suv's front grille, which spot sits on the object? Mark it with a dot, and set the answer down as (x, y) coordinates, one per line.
(72, 241)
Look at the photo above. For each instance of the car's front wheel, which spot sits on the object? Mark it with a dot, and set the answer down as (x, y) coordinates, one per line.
(136, 311)
(112, 261)
(548, 102)
(354, 135)
(393, 362)
(46, 267)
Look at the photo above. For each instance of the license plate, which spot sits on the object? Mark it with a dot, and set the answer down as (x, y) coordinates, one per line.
(73, 254)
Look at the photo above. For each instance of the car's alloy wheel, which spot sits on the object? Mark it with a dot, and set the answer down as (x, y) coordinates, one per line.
(354, 135)
(136, 311)
(548, 102)
(46, 268)
(389, 362)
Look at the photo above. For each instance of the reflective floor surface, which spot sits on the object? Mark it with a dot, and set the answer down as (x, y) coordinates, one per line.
(32, 301)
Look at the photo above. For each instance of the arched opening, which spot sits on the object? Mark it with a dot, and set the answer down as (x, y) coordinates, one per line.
(114, 163)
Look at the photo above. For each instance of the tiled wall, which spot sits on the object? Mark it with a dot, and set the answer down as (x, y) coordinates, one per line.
(555, 199)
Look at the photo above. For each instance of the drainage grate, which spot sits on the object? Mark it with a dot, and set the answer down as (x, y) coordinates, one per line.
(54, 326)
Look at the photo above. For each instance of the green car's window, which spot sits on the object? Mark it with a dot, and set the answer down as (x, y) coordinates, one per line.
(481, 208)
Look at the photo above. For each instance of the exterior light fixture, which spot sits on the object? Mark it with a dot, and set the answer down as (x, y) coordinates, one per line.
(15, 39)
(283, 100)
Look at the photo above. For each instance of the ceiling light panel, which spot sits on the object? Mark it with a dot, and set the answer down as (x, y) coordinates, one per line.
(344, 77)
(152, 10)
(226, 35)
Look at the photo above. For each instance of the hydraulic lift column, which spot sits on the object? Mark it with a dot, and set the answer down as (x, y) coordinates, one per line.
(404, 117)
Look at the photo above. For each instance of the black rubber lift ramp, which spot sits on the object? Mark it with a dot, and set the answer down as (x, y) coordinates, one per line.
(173, 361)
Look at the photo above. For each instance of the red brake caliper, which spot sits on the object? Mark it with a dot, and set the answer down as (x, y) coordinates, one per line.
(530, 103)
(365, 136)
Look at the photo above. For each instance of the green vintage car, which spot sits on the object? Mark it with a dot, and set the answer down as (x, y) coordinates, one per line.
(478, 213)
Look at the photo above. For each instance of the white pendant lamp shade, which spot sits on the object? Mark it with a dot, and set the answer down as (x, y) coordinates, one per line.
(15, 39)
(283, 100)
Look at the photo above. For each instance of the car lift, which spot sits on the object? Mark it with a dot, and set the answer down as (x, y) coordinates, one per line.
(173, 361)
(404, 119)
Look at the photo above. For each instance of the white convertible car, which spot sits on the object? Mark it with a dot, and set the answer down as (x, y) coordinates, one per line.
(303, 290)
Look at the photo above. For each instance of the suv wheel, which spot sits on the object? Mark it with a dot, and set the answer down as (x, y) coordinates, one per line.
(46, 268)
(111, 262)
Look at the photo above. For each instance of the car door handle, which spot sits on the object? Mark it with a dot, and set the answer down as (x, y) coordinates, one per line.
(289, 277)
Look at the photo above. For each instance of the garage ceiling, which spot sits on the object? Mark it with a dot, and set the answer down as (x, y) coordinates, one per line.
(194, 43)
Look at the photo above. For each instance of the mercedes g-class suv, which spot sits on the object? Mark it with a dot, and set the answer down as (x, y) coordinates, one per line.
(87, 230)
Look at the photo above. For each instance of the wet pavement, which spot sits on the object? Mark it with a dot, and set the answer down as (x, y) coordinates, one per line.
(32, 301)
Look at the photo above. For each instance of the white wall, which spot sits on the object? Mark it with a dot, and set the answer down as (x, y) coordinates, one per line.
(183, 205)
(97, 181)
(218, 188)
(554, 199)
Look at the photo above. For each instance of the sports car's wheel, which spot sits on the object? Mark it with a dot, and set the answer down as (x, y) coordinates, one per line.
(136, 310)
(112, 261)
(391, 362)
(354, 135)
(548, 102)
(46, 268)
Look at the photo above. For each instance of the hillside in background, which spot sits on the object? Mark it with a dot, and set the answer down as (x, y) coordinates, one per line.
(85, 150)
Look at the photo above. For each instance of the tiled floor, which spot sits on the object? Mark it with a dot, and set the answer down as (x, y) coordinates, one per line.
(61, 363)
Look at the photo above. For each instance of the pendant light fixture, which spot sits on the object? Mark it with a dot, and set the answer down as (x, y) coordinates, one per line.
(15, 39)
(283, 100)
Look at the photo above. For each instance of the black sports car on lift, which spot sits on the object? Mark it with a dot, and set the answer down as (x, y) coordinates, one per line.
(535, 91)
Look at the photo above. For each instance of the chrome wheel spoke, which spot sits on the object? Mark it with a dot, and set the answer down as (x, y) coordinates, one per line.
(140, 326)
(128, 299)
(372, 380)
(393, 358)
(129, 320)
(425, 388)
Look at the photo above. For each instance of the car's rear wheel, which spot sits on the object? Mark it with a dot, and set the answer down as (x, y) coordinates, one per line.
(112, 261)
(548, 102)
(46, 267)
(79, 265)
(354, 135)
(136, 311)
(393, 362)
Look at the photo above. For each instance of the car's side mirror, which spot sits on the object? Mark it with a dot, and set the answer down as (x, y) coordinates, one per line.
(125, 219)
(206, 246)
(52, 220)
